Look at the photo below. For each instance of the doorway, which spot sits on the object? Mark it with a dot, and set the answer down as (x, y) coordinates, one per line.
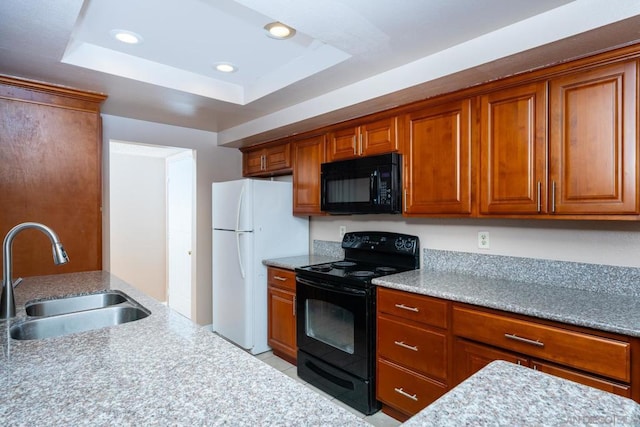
(151, 189)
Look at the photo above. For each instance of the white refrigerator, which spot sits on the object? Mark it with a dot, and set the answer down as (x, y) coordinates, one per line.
(252, 220)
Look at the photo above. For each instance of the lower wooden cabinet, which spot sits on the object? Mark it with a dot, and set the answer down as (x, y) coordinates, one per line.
(426, 346)
(470, 357)
(281, 300)
(412, 351)
(483, 335)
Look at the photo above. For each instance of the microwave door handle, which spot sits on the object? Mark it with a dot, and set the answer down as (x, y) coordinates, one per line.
(373, 187)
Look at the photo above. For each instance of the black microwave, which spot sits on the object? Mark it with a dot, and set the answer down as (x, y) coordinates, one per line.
(364, 185)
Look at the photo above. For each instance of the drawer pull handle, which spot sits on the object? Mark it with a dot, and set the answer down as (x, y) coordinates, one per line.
(282, 279)
(524, 340)
(402, 344)
(405, 394)
(406, 307)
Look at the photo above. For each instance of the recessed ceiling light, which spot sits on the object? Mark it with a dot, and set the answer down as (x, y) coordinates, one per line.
(278, 30)
(126, 36)
(226, 67)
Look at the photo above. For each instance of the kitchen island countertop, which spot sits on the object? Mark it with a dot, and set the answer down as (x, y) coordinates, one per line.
(505, 394)
(160, 370)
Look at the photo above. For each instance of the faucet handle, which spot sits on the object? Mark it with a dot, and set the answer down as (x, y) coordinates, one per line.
(17, 282)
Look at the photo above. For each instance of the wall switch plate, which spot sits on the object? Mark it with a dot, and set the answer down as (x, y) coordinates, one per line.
(341, 230)
(483, 239)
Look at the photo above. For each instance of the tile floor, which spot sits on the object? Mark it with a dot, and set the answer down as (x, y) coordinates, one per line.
(378, 419)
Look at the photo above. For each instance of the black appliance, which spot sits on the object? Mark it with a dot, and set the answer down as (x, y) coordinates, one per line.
(362, 186)
(336, 314)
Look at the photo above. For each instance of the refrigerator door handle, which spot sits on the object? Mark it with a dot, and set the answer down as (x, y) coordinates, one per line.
(240, 199)
(240, 264)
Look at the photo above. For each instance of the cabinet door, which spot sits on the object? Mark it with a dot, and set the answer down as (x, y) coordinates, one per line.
(308, 155)
(379, 137)
(278, 157)
(282, 323)
(593, 146)
(343, 144)
(437, 160)
(471, 357)
(369, 139)
(253, 162)
(513, 151)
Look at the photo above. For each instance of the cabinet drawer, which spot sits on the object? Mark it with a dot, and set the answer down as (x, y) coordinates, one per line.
(579, 377)
(418, 308)
(281, 278)
(419, 349)
(404, 390)
(603, 356)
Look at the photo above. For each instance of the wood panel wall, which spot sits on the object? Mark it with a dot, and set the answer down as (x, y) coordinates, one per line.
(50, 172)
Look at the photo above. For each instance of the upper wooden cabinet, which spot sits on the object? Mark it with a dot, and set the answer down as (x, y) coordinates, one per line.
(589, 166)
(593, 141)
(308, 155)
(267, 161)
(437, 160)
(513, 150)
(368, 139)
(560, 142)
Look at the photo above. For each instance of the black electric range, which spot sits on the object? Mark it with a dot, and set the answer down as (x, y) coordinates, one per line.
(369, 255)
(336, 314)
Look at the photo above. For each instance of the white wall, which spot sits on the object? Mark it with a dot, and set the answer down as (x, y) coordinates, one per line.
(137, 211)
(213, 163)
(596, 242)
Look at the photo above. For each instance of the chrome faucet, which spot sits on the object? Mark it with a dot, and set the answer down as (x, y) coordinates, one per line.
(7, 302)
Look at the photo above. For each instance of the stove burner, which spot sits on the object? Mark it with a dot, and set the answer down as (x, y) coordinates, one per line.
(362, 273)
(343, 264)
(321, 267)
(385, 270)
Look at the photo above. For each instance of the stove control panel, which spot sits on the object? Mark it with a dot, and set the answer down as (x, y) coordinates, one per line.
(380, 241)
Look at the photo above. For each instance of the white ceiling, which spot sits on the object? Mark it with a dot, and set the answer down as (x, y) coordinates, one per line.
(348, 57)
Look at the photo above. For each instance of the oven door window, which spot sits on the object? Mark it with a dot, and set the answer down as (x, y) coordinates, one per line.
(330, 324)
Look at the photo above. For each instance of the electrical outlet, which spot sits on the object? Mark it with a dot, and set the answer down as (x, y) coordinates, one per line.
(483, 239)
(341, 230)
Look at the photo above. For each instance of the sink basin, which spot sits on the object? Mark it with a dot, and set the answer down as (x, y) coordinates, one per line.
(79, 321)
(76, 303)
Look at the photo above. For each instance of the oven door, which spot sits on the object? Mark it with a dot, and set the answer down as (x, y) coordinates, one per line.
(336, 324)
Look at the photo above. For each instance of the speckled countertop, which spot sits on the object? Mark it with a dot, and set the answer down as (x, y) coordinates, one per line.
(505, 394)
(598, 310)
(161, 370)
(291, 263)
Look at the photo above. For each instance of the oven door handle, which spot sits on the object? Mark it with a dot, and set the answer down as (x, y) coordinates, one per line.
(347, 290)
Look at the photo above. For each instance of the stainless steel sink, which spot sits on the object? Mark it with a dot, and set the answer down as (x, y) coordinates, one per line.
(79, 321)
(75, 303)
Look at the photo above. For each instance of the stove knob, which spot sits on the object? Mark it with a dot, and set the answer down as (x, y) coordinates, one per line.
(399, 243)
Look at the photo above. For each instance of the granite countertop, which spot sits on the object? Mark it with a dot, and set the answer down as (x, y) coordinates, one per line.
(160, 370)
(291, 263)
(505, 394)
(598, 310)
